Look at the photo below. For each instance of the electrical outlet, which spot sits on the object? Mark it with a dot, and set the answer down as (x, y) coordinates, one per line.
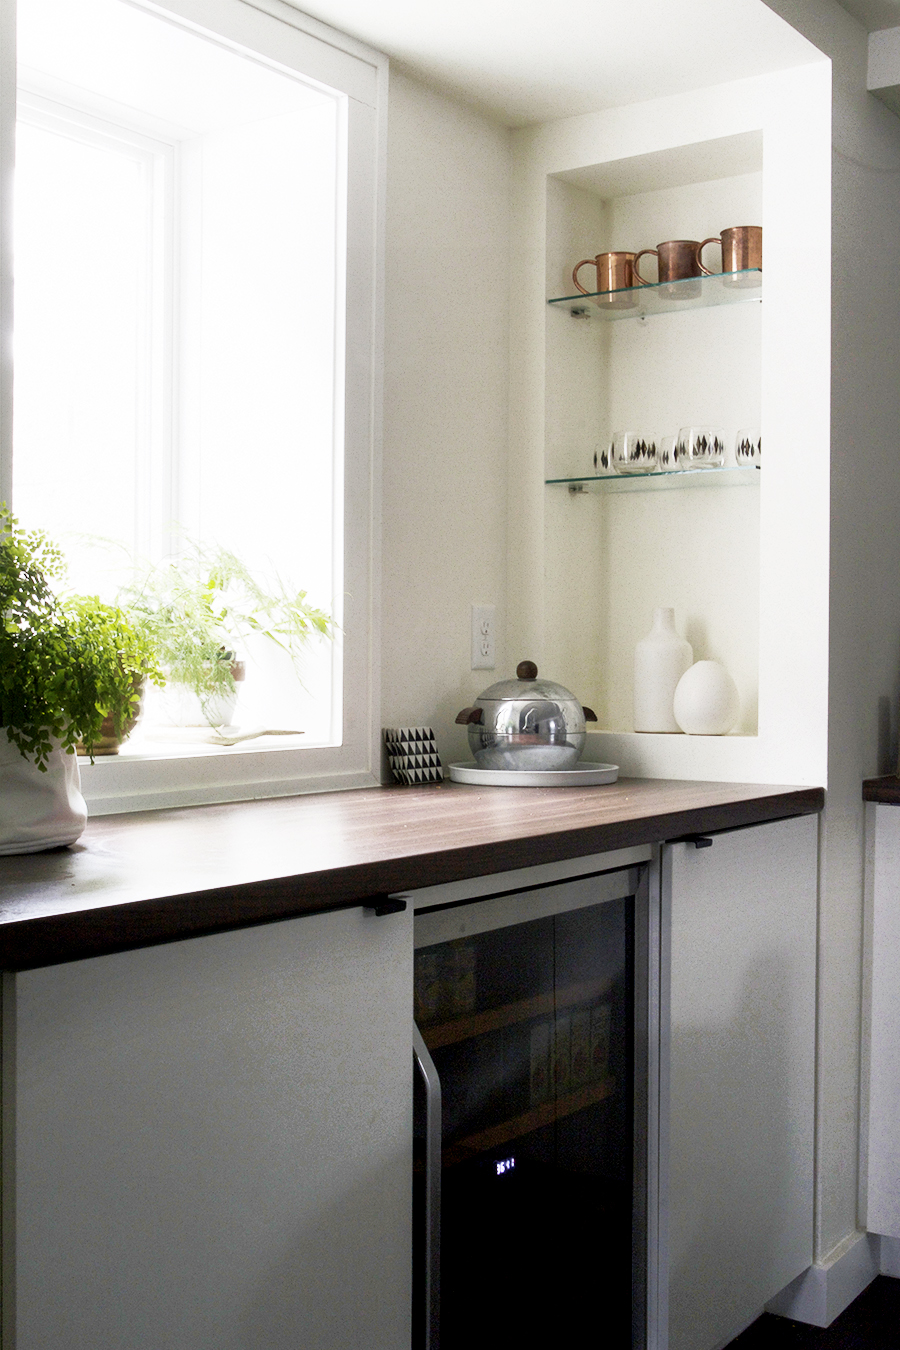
(484, 643)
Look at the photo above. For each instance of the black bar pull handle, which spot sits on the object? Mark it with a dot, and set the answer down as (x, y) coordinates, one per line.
(698, 840)
(385, 904)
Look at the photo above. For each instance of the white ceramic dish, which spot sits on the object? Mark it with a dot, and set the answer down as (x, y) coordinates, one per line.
(584, 774)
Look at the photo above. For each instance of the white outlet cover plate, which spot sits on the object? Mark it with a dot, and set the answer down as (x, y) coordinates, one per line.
(484, 637)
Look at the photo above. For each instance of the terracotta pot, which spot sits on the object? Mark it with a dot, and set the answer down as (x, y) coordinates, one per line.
(107, 743)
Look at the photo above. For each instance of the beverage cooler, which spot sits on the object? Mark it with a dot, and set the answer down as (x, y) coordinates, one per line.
(531, 1178)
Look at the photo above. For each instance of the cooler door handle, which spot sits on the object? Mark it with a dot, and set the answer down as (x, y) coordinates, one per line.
(425, 1065)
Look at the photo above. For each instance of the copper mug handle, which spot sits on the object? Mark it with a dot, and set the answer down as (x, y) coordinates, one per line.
(577, 268)
(713, 239)
(642, 281)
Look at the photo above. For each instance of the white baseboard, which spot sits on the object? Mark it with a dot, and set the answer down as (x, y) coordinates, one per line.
(825, 1289)
(889, 1261)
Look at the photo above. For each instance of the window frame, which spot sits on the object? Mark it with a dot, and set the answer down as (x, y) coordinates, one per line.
(285, 38)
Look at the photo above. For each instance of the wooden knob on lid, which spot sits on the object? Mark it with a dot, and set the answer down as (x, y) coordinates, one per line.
(526, 670)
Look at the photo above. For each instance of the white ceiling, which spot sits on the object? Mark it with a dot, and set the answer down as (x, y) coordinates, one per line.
(524, 61)
(874, 14)
(699, 162)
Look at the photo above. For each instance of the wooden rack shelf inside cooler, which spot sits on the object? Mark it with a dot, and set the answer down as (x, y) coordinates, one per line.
(534, 1119)
(492, 1019)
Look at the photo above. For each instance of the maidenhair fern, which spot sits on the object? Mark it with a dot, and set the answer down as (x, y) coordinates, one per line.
(65, 664)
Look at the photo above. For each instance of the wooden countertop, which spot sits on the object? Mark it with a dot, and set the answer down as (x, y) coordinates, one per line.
(885, 790)
(134, 880)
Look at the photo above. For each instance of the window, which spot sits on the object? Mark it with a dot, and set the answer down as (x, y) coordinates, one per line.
(196, 344)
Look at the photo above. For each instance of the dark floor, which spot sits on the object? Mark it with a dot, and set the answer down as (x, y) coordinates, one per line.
(872, 1322)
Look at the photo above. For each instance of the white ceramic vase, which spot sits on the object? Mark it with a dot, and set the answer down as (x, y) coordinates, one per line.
(660, 660)
(181, 707)
(177, 705)
(707, 702)
(39, 810)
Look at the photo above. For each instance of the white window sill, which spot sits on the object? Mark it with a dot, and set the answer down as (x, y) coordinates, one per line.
(181, 772)
(181, 742)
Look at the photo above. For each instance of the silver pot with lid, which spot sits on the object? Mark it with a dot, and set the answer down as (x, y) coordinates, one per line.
(526, 724)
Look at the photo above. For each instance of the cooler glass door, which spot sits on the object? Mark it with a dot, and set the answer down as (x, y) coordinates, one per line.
(527, 1009)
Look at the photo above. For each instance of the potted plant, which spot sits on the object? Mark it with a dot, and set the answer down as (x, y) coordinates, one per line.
(120, 651)
(65, 666)
(197, 609)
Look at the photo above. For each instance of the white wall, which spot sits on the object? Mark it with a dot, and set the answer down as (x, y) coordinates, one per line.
(864, 657)
(445, 400)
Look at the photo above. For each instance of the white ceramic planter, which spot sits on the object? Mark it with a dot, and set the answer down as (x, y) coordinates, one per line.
(39, 810)
(179, 706)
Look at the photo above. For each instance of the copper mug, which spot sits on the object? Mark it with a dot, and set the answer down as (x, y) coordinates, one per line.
(676, 260)
(741, 251)
(614, 279)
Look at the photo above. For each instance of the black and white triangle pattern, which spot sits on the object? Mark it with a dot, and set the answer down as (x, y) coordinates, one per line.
(412, 754)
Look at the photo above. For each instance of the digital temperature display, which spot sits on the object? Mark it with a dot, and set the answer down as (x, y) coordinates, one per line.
(504, 1165)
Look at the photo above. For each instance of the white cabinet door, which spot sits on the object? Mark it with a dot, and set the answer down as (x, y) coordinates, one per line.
(740, 918)
(883, 1163)
(211, 1145)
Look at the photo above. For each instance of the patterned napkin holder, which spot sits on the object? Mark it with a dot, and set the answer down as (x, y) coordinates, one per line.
(412, 755)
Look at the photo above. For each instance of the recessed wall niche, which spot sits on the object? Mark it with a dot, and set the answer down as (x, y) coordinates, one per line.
(611, 558)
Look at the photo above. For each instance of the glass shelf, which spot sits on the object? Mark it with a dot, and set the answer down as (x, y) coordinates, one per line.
(656, 482)
(639, 302)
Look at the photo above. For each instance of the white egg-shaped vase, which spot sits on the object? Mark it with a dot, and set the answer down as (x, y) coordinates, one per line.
(660, 660)
(706, 700)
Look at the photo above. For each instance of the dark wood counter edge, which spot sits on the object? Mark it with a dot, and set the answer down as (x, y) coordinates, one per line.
(51, 940)
(885, 790)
